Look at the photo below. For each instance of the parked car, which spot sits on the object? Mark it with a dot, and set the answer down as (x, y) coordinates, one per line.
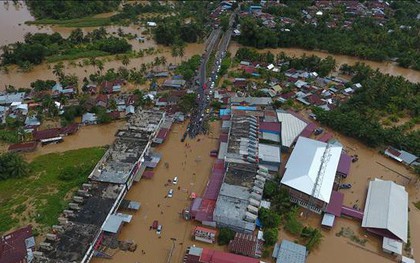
(175, 180)
(159, 229)
(170, 193)
(155, 224)
(345, 186)
(318, 131)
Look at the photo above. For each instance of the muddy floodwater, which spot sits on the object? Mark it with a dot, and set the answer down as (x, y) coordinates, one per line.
(87, 136)
(190, 162)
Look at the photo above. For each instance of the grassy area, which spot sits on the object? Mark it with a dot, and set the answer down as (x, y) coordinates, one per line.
(40, 198)
(77, 22)
(77, 55)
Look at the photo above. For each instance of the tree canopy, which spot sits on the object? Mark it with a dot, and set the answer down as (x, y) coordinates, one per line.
(70, 9)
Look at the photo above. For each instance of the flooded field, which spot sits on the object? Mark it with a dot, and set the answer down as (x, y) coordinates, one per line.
(385, 67)
(192, 166)
(87, 136)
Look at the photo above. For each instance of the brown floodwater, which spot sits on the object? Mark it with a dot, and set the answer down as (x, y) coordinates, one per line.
(87, 136)
(192, 166)
(385, 67)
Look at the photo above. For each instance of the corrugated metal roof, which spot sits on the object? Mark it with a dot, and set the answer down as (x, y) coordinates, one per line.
(291, 127)
(303, 166)
(291, 252)
(386, 208)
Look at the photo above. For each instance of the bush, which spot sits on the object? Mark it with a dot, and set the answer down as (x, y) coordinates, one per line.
(292, 224)
(225, 235)
(68, 173)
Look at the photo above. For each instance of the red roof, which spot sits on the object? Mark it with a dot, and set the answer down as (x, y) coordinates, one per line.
(351, 212)
(148, 174)
(20, 147)
(102, 98)
(13, 248)
(326, 137)
(270, 126)
(46, 134)
(308, 130)
(162, 134)
(244, 244)
(211, 256)
(70, 129)
(335, 204)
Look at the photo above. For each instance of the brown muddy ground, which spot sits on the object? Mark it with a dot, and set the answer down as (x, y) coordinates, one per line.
(87, 136)
(192, 165)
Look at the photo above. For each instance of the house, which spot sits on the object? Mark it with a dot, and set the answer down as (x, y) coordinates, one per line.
(292, 126)
(205, 234)
(174, 83)
(102, 100)
(17, 246)
(109, 87)
(9, 98)
(46, 134)
(269, 156)
(205, 255)
(69, 129)
(246, 245)
(402, 156)
(151, 24)
(386, 210)
(89, 118)
(289, 252)
(161, 102)
(23, 147)
(240, 82)
(302, 178)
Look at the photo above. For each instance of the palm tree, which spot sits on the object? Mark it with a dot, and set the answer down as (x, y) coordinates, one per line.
(174, 52)
(100, 65)
(181, 50)
(58, 70)
(15, 165)
(163, 60)
(125, 61)
(92, 61)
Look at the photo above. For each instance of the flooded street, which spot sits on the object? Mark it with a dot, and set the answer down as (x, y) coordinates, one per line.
(192, 166)
(385, 67)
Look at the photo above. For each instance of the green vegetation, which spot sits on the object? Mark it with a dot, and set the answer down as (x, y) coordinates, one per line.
(9, 136)
(293, 225)
(380, 96)
(41, 197)
(365, 38)
(77, 22)
(188, 68)
(225, 235)
(417, 204)
(188, 102)
(40, 46)
(12, 165)
(270, 236)
(63, 10)
(269, 218)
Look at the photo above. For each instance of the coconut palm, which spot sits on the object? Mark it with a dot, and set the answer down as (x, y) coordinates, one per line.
(58, 70)
(125, 61)
(174, 52)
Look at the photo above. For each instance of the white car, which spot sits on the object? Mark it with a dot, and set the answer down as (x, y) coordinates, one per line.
(170, 193)
(159, 229)
(175, 180)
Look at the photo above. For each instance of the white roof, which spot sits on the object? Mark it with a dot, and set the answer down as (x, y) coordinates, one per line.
(291, 127)
(305, 162)
(269, 153)
(407, 260)
(328, 220)
(392, 245)
(386, 207)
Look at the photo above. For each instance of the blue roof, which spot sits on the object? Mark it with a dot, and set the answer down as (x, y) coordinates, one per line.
(291, 252)
(224, 112)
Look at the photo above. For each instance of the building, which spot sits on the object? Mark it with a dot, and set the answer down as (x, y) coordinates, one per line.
(289, 252)
(205, 234)
(174, 83)
(23, 147)
(310, 173)
(251, 101)
(269, 156)
(291, 127)
(205, 255)
(246, 245)
(93, 218)
(386, 210)
(402, 156)
(17, 246)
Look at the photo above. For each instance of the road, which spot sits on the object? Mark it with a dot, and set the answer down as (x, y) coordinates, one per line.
(218, 43)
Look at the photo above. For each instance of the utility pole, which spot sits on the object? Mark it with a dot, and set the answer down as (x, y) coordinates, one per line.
(172, 250)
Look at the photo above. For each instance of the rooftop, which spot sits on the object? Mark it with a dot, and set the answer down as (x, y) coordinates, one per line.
(291, 125)
(305, 163)
(289, 252)
(386, 208)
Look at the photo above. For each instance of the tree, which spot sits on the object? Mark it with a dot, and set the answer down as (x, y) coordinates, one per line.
(269, 218)
(225, 235)
(281, 202)
(125, 61)
(270, 189)
(12, 165)
(76, 36)
(174, 52)
(58, 70)
(100, 65)
(270, 236)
